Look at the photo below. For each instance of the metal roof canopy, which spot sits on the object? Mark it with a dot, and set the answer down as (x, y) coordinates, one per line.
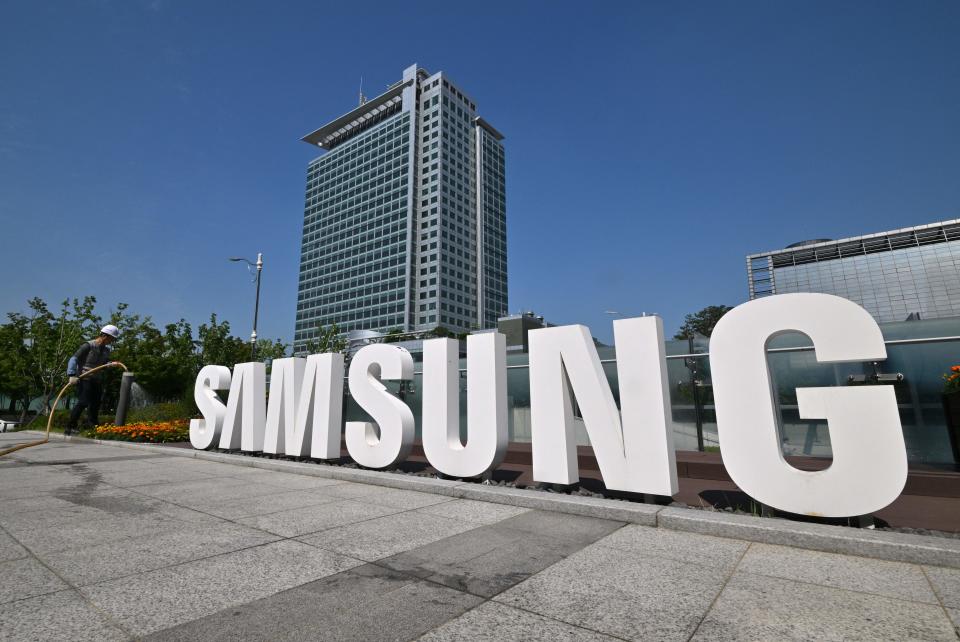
(493, 132)
(357, 117)
(941, 231)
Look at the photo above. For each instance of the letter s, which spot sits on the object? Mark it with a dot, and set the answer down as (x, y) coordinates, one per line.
(206, 432)
(371, 364)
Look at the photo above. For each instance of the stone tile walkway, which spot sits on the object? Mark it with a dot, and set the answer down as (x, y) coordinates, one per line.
(103, 543)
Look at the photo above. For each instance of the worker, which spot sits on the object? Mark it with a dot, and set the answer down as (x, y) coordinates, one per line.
(90, 355)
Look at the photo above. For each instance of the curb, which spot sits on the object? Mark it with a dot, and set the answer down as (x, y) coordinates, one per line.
(898, 547)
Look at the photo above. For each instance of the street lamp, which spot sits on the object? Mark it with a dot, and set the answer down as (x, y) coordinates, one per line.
(256, 306)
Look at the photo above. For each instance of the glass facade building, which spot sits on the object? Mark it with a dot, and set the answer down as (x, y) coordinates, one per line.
(908, 273)
(405, 215)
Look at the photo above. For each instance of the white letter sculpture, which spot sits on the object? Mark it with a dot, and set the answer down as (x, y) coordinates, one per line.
(634, 449)
(869, 466)
(371, 364)
(486, 405)
(205, 432)
(305, 408)
(244, 423)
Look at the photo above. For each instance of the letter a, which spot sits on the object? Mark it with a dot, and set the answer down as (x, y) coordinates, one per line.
(243, 426)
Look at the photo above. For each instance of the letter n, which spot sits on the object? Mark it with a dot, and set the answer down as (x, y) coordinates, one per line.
(634, 448)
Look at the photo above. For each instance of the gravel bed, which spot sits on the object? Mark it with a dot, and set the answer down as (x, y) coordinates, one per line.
(583, 492)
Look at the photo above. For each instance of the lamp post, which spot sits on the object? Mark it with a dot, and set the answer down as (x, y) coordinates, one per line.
(256, 306)
(695, 383)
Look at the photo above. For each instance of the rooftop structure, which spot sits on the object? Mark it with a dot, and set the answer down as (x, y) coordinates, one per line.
(913, 272)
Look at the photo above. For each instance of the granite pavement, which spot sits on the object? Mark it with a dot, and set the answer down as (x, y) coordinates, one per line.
(104, 543)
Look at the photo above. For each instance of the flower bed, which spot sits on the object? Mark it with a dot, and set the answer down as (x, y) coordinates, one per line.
(155, 432)
(952, 380)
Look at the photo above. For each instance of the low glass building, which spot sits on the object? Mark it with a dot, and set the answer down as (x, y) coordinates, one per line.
(918, 355)
(911, 273)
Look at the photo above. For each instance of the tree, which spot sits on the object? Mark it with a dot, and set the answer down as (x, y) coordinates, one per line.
(14, 383)
(164, 362)
(49, 341)
(217, 346)
(270, 349)
(329, 339)
(439, 332)
(35, 347)
(702, 322)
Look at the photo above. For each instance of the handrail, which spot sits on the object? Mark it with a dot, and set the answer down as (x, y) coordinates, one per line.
(891, 342)
(700, 355)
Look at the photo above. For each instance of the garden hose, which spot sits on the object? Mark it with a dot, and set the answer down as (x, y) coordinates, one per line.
(112, 364)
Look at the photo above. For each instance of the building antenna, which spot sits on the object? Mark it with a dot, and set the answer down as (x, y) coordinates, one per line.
(363, 98)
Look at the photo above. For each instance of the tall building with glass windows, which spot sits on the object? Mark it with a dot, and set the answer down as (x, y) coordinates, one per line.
(404, 224)
(913, 272)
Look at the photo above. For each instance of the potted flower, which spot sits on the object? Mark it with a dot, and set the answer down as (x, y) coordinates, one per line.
(951, 407)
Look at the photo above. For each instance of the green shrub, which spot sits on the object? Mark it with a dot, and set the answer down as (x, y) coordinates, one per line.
(168, 411)
(60, 419)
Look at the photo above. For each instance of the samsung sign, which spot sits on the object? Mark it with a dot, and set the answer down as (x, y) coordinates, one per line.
(633, 444)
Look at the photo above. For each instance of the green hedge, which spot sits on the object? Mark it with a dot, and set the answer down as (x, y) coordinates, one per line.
(60, 419)
(168, 411)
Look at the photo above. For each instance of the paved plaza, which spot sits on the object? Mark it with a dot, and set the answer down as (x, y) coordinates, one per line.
(105, 543)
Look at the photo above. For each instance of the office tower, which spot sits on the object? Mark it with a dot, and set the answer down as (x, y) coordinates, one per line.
(405, 218)
(913, 272)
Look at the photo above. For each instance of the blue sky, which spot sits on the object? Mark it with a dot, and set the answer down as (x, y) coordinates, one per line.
(650, 145)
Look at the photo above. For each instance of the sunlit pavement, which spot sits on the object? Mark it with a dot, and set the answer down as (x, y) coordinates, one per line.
(99, 542)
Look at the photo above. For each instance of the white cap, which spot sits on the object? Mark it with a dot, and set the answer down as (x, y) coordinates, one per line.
(111, 329)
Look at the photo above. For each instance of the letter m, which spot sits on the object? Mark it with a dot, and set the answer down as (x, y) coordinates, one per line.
(305, 407)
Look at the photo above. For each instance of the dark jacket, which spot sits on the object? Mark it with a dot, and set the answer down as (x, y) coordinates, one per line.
(87, 357)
